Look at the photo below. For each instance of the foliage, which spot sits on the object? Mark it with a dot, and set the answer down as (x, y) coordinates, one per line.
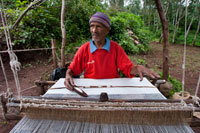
(140, 62)
(134, 7)
(36, 31)
(42, 23)
(120, 22)
(77, 26)
(190, 38)
(180, 35)
(177, 86)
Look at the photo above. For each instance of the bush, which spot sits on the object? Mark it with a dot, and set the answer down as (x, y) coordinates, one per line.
(177, 86)
(190, 38)
(120, 22)
(43, 23)
(180, 35)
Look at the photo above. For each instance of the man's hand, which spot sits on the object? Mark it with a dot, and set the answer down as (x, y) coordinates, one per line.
(143, 71)
(69, 82)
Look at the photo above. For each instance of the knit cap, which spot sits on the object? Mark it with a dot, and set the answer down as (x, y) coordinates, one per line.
(101, 18)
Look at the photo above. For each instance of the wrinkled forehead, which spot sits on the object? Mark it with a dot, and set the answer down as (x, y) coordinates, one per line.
(97, 23)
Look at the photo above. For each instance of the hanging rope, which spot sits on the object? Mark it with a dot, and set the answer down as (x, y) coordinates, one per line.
(4, 72)
(14, 64)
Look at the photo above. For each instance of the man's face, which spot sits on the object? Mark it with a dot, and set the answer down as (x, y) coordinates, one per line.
(98, 31)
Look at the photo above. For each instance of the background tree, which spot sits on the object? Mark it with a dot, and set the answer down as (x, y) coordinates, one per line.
(165, 32)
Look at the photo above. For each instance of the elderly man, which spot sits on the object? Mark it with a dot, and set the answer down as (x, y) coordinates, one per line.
(101, 58)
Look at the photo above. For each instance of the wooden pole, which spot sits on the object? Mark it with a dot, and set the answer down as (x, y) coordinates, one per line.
(4, 107)
(63, 34)
(53, 45)
(43, 83)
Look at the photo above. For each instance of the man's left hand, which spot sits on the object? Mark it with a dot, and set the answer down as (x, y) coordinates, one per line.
(143, 71)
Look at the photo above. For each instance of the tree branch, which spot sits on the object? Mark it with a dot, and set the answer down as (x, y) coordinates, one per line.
(32, 4)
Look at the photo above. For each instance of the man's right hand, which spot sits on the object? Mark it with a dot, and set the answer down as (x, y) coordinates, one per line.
(69, 82)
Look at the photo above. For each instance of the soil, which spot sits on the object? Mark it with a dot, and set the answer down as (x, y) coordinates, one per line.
(39, 66)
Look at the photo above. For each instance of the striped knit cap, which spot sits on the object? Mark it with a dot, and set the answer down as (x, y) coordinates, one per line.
(101, 18)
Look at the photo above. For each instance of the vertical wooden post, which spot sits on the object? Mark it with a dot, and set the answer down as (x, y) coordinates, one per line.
(4, 107)
(53, 46)
(63, 34)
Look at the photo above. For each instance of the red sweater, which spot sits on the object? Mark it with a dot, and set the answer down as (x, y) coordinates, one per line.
(101, 64)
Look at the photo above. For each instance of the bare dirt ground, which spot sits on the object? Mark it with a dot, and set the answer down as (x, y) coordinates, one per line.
(39, 66)
(154, 60)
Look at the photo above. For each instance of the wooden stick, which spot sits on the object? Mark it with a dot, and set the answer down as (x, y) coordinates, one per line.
(43, 83)
(63, 33)
(105, 86)
(53, 45)
(4, 107)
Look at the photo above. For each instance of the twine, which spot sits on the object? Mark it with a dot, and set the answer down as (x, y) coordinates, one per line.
(15, 65)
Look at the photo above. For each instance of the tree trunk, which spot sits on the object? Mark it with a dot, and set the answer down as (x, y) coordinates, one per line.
(157, 26)
(144, 10)
(161, 35)
(63, 34)
(189, 26)
(165, 32)
(195, 37)
(154, 22)
(177, 21)
(149, 14)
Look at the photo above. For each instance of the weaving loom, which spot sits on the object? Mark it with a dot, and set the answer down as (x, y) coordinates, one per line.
(60, 110)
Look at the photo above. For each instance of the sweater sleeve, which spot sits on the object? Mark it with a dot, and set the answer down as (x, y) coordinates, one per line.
(123, 62)
(77, 65)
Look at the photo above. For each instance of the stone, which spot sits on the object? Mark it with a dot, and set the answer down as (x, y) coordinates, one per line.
(166, 88)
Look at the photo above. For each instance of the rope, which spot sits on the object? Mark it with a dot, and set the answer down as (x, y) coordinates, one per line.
(15, 65)
(29, 88)
(24, 50)
(4, 72)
